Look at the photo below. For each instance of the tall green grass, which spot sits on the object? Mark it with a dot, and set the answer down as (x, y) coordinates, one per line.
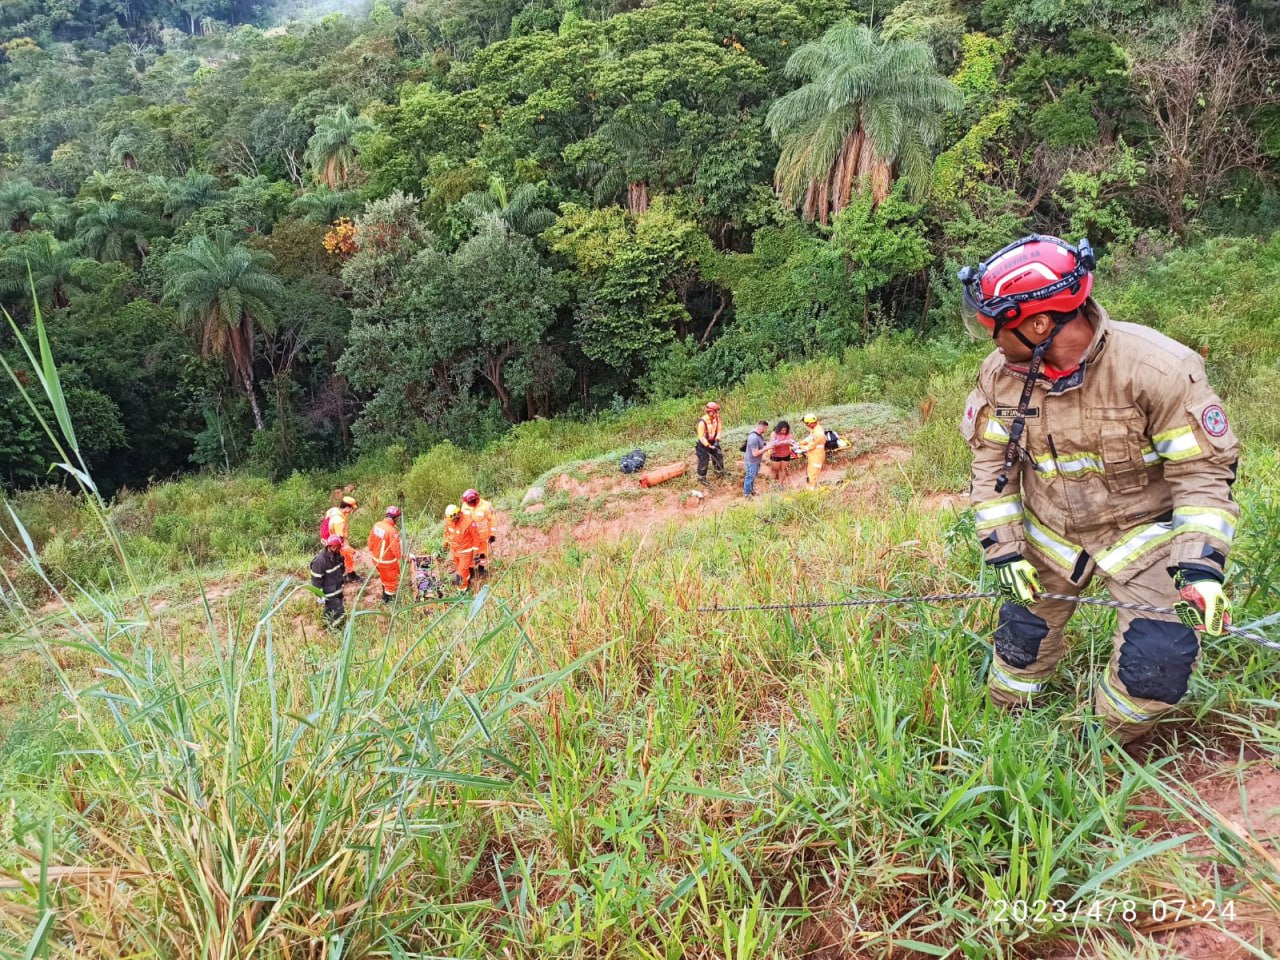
(584, 763)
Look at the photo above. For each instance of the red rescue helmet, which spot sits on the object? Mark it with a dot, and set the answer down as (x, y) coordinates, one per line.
(1037, 274)
(393, 513)
(471, 497)
(713, 407)
(333, 543)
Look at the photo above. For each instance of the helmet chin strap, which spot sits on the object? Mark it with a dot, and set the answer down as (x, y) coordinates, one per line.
(1019, 426)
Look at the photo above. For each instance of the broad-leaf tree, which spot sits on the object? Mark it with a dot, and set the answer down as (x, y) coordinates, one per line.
(868, 111)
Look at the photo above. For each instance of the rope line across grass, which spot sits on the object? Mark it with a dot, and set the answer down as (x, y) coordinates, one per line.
(984, 595)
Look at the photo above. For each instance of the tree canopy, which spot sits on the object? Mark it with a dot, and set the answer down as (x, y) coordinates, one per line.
(277, 234)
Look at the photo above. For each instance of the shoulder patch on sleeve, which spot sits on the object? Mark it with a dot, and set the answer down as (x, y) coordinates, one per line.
(1214, 420)
(973, 407)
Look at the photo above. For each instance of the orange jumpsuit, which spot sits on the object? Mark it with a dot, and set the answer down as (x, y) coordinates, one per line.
(384, 544)
(462, 542)
(483, 517)
(814, 447)
(338, 528)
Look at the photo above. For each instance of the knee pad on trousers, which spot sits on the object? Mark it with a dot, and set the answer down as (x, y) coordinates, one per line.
(1018, 635)
(1156, 659)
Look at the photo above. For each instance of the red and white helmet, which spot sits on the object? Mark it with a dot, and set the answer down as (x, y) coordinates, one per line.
(471, 497)
(393, 513)
(333, 543)
(713, 407)
(1037, 274)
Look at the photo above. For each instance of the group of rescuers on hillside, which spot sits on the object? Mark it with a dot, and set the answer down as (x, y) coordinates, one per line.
(1099, 450)
(469, 535)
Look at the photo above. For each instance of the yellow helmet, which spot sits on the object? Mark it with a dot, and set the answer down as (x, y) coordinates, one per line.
(810, 418)
(451, 511)
(350, 502)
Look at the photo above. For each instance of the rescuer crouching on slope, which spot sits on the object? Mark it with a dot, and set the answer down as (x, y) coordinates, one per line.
(1100, 449)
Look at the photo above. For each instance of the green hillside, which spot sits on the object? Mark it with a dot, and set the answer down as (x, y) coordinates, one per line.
(580, 763)
(258, 256)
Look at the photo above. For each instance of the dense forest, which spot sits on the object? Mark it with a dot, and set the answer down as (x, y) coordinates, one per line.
(278, 235)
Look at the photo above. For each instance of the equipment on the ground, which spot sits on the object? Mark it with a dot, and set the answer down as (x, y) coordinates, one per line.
(426, 582)
(834, 441)
(633, 462)
(663, 474)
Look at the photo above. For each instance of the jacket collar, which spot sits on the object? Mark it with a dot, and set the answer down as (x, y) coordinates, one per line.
(1102, 325)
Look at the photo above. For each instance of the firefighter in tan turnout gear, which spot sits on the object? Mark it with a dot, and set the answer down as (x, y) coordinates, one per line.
(1100, 449)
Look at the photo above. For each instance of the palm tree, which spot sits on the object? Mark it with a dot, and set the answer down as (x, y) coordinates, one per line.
(224, 289)
(324, 205)
(331, 151)
(519, 210)
(20, 203)
(627, 145)
(182, 196)
(112, 230)
(870, 110)
(51, 265)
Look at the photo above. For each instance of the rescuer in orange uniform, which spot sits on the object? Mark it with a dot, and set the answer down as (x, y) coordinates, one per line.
(462, 542)
(481, 513)
(384, 544)
(337, 524)
(814, 448)
(708, 445)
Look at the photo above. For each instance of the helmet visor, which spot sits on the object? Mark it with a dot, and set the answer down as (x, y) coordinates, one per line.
(978, 326)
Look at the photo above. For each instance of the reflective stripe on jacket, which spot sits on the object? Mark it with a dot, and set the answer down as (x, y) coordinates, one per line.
(708, 430)
(1131, 451)
(327, 573)
(384, 544)
(337, 522)
(482, 516)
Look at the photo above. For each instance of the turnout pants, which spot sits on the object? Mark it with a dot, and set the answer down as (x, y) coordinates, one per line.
(707, 455)
(816, 460)
(389, 574)
(334, 608)
(463, 561)
(1152, 655)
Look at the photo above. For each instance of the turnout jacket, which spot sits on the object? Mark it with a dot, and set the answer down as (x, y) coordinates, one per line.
(327, 573)
(1130, 452)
